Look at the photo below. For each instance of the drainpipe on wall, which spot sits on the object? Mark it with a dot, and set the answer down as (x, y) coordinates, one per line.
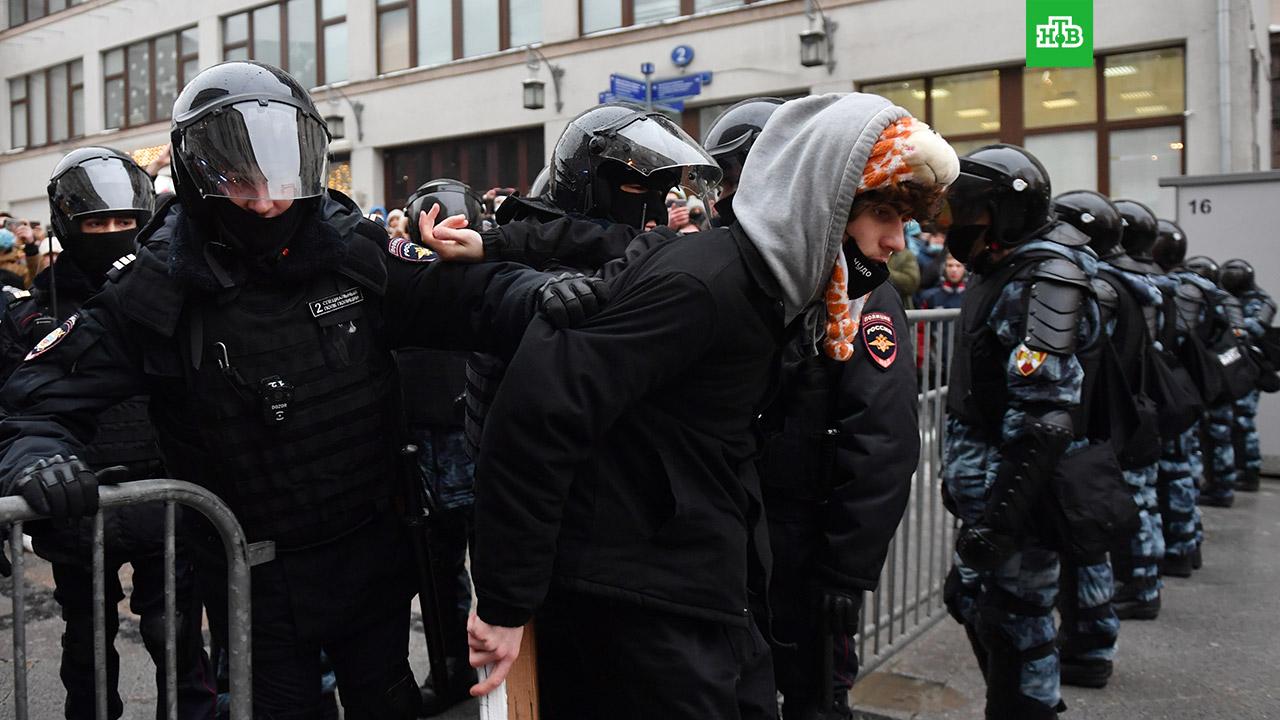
(1224, 85)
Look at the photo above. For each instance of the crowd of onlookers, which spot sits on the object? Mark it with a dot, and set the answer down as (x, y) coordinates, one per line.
(26, 248)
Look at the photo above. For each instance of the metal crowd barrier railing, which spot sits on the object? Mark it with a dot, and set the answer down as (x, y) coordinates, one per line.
(15, 510)
(909, 599)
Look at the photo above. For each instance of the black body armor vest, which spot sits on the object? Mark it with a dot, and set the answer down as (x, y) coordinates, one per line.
(978, 392)
(290, 410)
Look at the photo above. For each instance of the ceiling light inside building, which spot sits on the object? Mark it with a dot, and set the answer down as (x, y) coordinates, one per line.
(970, 113)
(1176, 146)
(990, 125)
(1137, 95)
(1151, 109)
(1059, 103)
(1120, 71)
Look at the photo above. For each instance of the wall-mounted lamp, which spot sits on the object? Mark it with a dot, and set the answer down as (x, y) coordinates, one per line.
(817, 44)
(535, 90)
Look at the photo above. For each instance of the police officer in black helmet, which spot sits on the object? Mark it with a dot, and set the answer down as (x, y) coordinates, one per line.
(432, 382)
(729, 140)
(98, 200)
(259, 314)
(1027, 330)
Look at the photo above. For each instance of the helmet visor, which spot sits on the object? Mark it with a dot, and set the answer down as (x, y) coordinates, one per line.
(257, 151)
(649, 143)
(102, 186)
(966, 200)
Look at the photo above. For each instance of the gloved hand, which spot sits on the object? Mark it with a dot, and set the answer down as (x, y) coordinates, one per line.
(569, 299)
(59, 488)
(839, 610)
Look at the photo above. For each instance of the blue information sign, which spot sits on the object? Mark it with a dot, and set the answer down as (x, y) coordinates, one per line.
(676, 106)
(646, 68)
(626, 88)
(682, 55)
(681, 87)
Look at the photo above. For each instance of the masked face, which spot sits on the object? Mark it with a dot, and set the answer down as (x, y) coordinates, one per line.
(100, 242)
(631, 198)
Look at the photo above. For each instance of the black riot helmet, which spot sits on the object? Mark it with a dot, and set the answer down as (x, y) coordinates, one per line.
(1094, 215)
(1139, 229)
(1204, 267)
(1237, 276)
(1171, 245)
(540, 183)
(98, 182)
(454, 198)
(247, 130)
(734, 131)
(1009, 184)
(616, 145)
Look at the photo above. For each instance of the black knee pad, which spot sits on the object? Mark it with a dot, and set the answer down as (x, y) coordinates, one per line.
(401, 700)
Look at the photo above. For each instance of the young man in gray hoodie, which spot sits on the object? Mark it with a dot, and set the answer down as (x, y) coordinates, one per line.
(617, 498)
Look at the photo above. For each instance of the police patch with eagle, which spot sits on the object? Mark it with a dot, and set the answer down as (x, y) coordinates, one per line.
(880, 339)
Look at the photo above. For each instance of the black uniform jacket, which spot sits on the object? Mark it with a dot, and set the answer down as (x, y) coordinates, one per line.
(619, 458)
(848, 445)
(128, 340)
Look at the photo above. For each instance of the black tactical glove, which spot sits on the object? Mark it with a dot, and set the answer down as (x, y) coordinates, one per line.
(839, 610)
(59, 488)
(569, 299)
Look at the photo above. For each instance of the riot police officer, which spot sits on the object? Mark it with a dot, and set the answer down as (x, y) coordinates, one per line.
(432, 382)
(1220, 341)
(729, 140)
(1259, 311)
(259, 313)
(98, 200)
(1137, 562)
(1016, 407)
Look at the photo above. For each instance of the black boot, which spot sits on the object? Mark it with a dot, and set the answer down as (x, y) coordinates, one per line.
(1135, 609)
(1208, 498)
(1085, 673)
(1197, 559)
(1248, 481)
(1176, 566)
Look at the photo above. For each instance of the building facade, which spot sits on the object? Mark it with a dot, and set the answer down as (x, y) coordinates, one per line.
(429, 88)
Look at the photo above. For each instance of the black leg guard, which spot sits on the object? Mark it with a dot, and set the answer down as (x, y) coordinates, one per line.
(1004, 680)
(400, 701)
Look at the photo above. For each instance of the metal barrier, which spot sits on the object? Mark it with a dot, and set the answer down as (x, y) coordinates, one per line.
(15, 510)
(909, 599)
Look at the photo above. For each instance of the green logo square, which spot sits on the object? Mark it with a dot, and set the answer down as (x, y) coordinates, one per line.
(1059, 33)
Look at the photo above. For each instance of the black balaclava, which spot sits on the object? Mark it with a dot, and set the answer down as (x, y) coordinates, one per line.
(94, 253)
(634, 209)
(259, 238)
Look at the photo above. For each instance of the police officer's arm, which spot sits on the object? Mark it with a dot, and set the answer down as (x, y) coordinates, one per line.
(571, 241)
(52, 401)
(563, 390)
(878, 448)
(1255, 312)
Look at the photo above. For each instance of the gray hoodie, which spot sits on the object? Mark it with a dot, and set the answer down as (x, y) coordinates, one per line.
(798, 183)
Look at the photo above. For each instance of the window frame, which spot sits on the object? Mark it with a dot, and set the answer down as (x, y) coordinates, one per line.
(72, 87)
(44, 4)
(504, 30)
(1012, 114)
(687, 8)
(180, 59)
(321, 24)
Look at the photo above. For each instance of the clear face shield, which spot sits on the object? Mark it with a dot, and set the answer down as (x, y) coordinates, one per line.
(650, 143)
(104, 186)
(257, 151)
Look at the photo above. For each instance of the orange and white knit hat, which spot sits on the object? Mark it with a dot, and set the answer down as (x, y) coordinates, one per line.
(907, 150)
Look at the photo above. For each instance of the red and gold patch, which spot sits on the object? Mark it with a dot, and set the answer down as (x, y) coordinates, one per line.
(53, 338)
(879, 337)
(1028, 360)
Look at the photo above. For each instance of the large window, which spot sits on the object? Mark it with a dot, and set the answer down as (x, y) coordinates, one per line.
(140, 81)
(509, 159)
(47, 106)
(307, 38)
(1116, 127)
(597, 15)
(418, 33)
(24, 11)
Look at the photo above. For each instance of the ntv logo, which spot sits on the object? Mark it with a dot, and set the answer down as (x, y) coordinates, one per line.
(1059, 32)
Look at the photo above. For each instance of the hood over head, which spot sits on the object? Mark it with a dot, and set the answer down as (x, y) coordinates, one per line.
(798, 183)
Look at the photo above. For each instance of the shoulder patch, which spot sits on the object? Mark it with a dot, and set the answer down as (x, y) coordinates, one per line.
(53, 338)
(410, 251)
(879, 337)
(1028, 360)
(118, 266)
